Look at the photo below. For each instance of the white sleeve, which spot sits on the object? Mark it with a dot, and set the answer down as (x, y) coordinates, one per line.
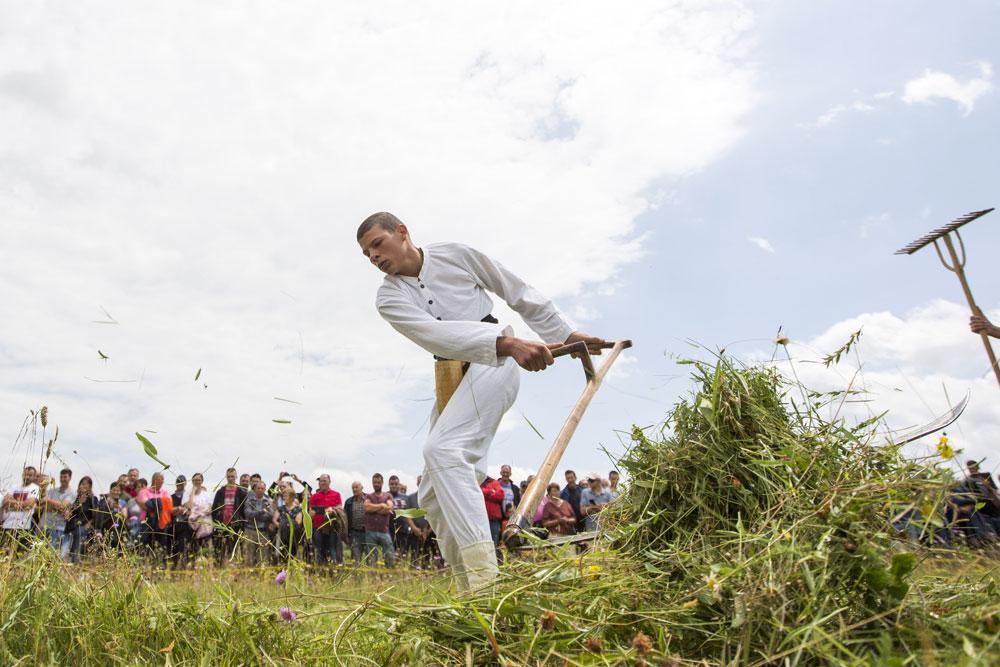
(538, 312)
(463, 341)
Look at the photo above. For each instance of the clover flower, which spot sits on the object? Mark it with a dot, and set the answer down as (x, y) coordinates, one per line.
(280, 578)
(286, 614)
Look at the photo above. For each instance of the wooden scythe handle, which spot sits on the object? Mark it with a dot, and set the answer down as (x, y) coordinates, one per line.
(520, 523)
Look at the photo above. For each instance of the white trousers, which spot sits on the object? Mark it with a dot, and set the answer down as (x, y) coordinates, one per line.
(455, 458)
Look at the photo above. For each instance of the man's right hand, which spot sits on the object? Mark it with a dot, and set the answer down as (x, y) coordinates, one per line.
(529, 355)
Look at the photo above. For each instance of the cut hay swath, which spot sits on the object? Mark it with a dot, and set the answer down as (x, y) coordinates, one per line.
(752, 532)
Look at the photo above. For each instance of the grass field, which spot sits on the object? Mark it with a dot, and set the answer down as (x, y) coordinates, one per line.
(752, 532)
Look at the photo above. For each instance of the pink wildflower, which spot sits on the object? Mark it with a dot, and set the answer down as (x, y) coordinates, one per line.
(286, 614)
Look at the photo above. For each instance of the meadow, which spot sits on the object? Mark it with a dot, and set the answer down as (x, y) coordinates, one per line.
(752, 532)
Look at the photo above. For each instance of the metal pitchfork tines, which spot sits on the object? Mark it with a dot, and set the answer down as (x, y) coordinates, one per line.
(957, 266)
(520, 523)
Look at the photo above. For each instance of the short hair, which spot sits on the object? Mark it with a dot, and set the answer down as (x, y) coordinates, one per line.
(141, 480)
(568, 471)
(31, 468)
(135, 469)
(114, 485)
(386, 221)
(229, 470)
(971, 463)
(393, 477)
(614, 472)
(551, 484)
(66, 471)
(378, 474)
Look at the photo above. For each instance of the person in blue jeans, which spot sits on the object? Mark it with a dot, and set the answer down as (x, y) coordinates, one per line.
(379, 510)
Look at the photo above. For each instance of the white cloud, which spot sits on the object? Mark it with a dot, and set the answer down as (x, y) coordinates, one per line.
(932, 84)
(831, 114)
(205, 190)
(763, 244)
(914, 366)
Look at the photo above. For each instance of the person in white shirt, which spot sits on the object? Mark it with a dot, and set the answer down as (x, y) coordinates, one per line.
(18, 506)
(436, 296)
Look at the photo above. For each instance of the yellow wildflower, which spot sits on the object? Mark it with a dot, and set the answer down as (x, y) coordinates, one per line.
(944, 449)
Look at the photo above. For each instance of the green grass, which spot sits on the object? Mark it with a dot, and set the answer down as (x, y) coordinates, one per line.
(753, 532)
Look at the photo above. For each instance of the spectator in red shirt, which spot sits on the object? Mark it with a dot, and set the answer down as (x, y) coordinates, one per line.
(327, 544)
(494, 495)
(227, 510)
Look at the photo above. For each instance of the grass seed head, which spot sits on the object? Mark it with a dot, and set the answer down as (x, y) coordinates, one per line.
(44, 415)
(549, 621)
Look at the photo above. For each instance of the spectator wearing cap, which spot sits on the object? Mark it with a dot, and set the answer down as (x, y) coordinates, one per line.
(326, 544)
(985, 491)
(179, 530)
(593, 499)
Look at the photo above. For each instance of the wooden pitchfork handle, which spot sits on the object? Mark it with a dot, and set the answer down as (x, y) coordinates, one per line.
(520, 522)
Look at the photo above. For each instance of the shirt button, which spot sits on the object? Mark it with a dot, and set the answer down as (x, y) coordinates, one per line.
(430, 301)
(421, 287)
(439, 318)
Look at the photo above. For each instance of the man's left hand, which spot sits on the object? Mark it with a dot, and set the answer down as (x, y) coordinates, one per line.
(591, 341)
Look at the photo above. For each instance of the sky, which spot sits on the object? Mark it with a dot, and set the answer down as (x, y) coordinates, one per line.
(181, 184)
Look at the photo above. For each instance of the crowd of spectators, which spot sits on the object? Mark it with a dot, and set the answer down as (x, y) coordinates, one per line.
(249, 521)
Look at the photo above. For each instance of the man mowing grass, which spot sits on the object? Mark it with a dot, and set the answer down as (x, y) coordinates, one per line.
(436, 297)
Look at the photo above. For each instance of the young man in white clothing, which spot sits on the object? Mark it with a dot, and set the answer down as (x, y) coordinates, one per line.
(436, 297)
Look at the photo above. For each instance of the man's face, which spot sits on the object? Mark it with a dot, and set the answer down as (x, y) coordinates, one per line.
(244, 479)
(29, 476)
(505, 474)
(133, 475)
(595, 485)
(324, 482)
(64, 479)
(393, 486)
(258, 490)
(377, 484)
(356, 488)
(571, 478)
(231, 477)
(180, 487)
(384, 249)
(613, 478)
(157, 481)
(973, 469)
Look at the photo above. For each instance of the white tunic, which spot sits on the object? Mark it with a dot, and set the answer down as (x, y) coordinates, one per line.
(441, 309)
